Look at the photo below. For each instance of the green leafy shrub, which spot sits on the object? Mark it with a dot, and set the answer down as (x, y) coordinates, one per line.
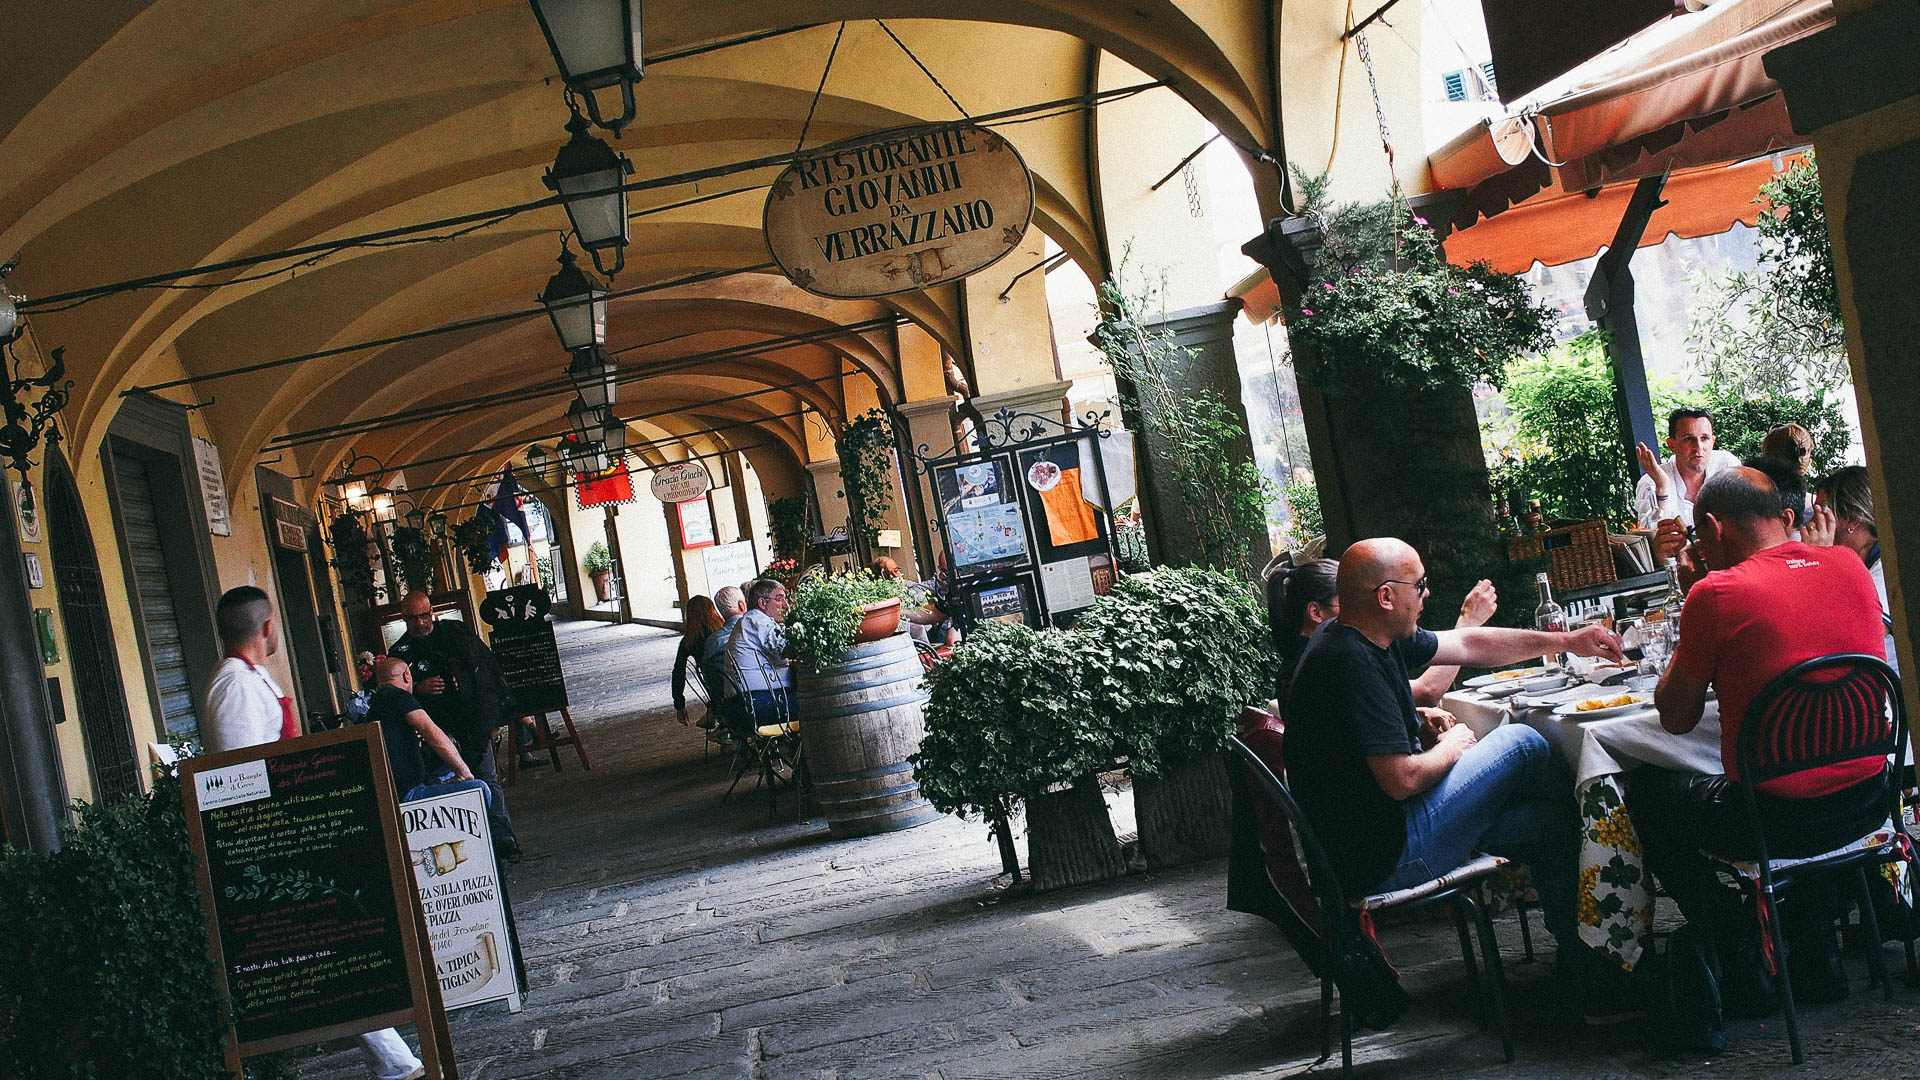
(827, 609)
(1383, 307)
(1741, 421)
(1563, 445)
(1305, 520)
(866, 471)
(1170, 658)
(350, 559)
(1008, 715)
(413, 557)
(598, 559)
(103, 966)
(475, 540)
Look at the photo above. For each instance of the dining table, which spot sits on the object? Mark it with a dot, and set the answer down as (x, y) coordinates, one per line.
(1615, 896)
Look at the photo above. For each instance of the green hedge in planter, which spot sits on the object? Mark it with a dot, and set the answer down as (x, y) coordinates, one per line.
(103, 965)
(1172, 656)
(1008, 714)
(827, 609)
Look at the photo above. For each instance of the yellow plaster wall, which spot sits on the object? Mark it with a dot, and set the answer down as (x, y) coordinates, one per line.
(1310, 77)
(1155, 233)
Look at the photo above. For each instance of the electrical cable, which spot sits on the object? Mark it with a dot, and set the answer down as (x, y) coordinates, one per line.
(1018, 114)
(415, 335)
(563, 383)
(807, 125)
(575, 481)
(1339, 89)
(923, 68)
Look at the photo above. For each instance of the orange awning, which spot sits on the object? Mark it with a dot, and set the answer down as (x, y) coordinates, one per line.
(1686, 93)
(1555, 229)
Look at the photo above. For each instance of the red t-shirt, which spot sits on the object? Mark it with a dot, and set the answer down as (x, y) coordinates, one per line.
(1745, 625)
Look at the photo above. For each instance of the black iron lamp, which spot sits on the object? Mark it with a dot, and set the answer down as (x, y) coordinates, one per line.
(577, 306)
(380, 504)
(596, 44)
(586, 421)
(613, 438)
(537, 460)
(595, 378)
(417, 520)
(437, 522)
(587, 176)
(30, 403)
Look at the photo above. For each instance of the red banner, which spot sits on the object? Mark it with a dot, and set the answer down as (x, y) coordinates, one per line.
(610, 488)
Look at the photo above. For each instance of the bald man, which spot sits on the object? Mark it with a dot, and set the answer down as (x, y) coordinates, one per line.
(405, 727)
(1398, 801)
(1766, 603)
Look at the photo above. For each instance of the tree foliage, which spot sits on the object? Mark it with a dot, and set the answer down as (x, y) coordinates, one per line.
(1563, 445)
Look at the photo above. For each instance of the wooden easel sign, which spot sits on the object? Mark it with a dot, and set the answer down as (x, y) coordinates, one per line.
(451, 848)
(314, 930)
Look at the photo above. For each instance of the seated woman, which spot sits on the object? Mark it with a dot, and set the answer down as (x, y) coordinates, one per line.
(702, 621)
(1301, 598)
(1843, 516)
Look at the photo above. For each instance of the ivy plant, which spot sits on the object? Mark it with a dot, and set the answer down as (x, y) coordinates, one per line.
(787, 522)
(866, 471)
(1382, 307)
(1171, 657)
(827, 609)
(1223, 491)
(350, 559)
(475, 541)
(413, 557)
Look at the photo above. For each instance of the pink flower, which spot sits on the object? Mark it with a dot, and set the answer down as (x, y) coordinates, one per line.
(1453, 292)
(1327, 285)
(1304, 311)
(1417, 218)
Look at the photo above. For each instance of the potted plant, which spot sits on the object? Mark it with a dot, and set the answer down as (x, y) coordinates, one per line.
(1173, 656)
(1008, 719)
(787, 527)
(598, 564)
(474, 538)
(414, 559)
(830, 613)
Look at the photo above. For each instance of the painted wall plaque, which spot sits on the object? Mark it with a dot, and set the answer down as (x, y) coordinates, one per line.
(898, 210)
(680, 481)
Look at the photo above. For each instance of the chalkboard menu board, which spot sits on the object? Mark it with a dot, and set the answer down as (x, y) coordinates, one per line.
(530, 663)
(303, 902)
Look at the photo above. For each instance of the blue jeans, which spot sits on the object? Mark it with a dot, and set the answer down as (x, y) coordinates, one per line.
(773, 706)
(421, 791)
(1507, 795)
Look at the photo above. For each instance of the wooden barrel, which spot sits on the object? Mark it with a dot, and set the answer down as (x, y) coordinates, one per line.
(860, 719)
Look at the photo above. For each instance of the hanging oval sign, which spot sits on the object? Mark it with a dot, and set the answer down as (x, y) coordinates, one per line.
(680, 481)
(898, 210)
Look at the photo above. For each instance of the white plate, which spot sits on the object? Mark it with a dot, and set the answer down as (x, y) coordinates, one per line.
(1572, 708)
(1504, 677)
(1513, 687)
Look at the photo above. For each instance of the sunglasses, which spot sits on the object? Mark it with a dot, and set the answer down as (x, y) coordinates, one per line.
(1420, 585)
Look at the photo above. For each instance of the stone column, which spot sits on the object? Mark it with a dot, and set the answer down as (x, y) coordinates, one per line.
(1210, 371)
(1856, 90)
(926, 424)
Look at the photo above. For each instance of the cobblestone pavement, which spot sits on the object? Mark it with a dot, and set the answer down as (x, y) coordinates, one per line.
(668, 933)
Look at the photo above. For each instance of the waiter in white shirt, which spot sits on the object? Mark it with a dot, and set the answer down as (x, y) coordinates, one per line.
(1668, 489)
(245, 707)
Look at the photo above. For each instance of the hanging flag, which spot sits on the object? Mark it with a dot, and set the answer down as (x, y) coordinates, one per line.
(506, 504)
(497, 539)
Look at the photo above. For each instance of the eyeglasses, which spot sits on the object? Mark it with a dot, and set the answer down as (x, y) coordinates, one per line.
(1420, 585)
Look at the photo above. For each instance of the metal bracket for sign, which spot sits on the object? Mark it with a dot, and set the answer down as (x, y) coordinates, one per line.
(1005, 434)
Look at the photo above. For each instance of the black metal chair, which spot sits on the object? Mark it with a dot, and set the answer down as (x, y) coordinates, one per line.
(1823, 711)
(1342, 936)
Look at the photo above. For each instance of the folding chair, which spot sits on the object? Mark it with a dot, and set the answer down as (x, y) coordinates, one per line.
(1823, 711)
(1341, 931)
(769, 745)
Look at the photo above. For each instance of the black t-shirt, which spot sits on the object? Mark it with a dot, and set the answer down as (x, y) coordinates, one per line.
(389, 709)
(1349, 701)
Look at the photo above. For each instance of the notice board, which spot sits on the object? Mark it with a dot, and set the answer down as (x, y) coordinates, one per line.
(315, 933)
(530, 663)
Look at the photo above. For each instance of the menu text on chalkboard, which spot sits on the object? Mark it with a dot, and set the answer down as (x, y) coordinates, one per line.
(530, 663)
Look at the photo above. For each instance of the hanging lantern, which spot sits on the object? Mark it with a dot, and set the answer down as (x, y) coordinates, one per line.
(537, 460)
(586, 421)
(381, 502)
(587, 176)
(355, 492)
(596, 44)
(613, 437)
(437, 521)
(595, 378)
(577, 306)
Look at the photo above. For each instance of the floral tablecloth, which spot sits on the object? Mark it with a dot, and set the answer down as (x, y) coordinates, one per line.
(1616, 892)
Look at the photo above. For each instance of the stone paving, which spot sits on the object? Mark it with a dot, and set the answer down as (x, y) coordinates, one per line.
(668, 933)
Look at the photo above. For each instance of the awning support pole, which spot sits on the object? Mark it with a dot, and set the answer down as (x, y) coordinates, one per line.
(1610, 305)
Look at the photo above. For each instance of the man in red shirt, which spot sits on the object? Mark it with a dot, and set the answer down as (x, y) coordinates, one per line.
(1766, 604)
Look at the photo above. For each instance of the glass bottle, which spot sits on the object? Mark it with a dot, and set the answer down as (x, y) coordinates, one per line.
(1549, 616)
(1676, 596)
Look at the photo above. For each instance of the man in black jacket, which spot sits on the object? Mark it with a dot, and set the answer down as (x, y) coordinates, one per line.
(458, 682)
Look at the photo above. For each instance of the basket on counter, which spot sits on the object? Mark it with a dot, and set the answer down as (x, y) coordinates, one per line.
(1578, 554)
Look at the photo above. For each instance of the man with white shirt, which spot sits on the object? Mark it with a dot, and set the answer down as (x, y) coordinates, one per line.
(1668, 489)
(756, 654)
(245, 707)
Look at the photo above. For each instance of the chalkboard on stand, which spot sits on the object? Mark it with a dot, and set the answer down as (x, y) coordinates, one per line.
(310, 904)
(530, 663)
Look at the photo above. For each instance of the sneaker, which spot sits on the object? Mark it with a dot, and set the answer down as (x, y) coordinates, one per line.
(528, 761)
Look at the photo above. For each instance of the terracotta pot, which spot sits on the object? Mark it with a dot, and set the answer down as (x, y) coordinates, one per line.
(882, 619)
(602, 586)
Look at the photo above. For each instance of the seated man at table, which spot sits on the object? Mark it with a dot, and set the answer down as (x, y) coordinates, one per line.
(1398, 802)
(1667, 490)
(1765, 604)
(756, 655)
